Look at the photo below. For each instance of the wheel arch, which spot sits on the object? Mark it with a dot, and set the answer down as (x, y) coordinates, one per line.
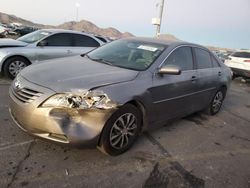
(139, 105)
(12, 56)
(142, 110)
(224, 89)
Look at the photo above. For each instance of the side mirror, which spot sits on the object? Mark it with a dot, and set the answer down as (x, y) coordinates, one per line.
(170, 69)
(42, 43)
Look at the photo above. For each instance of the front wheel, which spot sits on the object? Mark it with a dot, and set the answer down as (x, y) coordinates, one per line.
(14, 65)
(121, 130)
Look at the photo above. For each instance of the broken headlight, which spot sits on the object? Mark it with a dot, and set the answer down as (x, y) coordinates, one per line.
(85, 100)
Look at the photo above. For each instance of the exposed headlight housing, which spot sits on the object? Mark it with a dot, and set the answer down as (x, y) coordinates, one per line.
(84, 100)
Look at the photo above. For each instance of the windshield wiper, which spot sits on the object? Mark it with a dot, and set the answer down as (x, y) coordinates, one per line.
(101, 61)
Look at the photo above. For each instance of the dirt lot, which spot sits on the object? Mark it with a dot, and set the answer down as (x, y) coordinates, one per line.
(197, 151)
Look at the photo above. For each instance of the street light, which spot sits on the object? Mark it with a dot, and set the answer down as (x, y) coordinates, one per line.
(77, 8)
(158, 21)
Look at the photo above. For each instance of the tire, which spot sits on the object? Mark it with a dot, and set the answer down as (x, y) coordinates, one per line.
(122, 127)
(14, 65)
(216, 103)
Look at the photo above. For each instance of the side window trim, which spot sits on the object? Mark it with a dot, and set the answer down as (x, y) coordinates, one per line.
(195, 66)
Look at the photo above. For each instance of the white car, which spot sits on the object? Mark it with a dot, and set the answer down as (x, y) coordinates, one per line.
(239, 62)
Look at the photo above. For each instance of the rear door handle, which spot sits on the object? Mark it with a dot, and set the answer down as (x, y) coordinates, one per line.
(193, 78)
(219, 73)
(69, 52)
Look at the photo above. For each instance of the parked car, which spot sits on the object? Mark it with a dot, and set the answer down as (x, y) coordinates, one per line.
(239, 62)
(222, 56)
(3, 31)
(8, 29)
(42, 45)
(24, 30)
(110, 95)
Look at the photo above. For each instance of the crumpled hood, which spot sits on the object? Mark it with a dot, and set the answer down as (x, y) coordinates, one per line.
(66, 74)
(4, 43)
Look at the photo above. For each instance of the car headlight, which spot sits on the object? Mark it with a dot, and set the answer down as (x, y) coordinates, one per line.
(85, 100)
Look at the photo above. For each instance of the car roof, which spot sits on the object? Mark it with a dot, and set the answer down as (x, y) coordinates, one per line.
(164, 42)
(64, 31)
(54, 31)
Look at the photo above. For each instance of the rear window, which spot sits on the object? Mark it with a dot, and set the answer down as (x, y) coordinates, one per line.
(241, 54)
(84, 41)
(203, 59)
(102, 39)
(215, 62)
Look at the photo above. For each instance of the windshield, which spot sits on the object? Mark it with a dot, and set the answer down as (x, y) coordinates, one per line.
(128, 54)
(34, 36)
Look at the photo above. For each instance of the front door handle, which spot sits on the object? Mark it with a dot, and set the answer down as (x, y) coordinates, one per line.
(219, 73)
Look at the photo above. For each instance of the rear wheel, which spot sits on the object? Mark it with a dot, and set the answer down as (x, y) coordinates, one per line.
(14, 65)
(216, 103)
(121, 130)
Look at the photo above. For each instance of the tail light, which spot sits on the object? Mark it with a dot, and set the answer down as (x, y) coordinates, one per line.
(248, 61)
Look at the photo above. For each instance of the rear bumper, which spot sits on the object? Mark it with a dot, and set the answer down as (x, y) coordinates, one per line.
(241, 72)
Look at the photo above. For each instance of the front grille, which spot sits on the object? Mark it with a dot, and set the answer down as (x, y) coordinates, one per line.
(26, 95)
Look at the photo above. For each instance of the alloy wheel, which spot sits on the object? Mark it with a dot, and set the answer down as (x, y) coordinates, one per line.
(217, 102)
(15, 67)
(123, 130)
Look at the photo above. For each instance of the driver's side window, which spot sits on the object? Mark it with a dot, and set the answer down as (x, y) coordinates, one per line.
(181, 57)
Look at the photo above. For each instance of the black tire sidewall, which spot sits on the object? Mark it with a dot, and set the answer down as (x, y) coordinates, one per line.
(9, 61)
(105, 141)
(211, 109)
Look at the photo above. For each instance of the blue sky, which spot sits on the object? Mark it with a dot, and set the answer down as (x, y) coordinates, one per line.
(224, 23)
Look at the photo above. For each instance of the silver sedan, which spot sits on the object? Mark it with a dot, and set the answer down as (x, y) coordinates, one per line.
(43, 45)
(116, 91)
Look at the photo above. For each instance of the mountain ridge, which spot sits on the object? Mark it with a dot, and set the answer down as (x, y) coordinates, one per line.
(83, 25)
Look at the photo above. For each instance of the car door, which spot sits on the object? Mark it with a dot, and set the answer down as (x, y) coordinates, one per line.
(83, 44)
(174, 95)
(54, 46)
(207, 76)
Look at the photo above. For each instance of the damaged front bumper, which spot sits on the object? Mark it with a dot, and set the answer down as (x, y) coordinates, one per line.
(76, 127)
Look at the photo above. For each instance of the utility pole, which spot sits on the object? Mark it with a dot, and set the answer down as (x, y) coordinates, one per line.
(77, 9)
(158, 26)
